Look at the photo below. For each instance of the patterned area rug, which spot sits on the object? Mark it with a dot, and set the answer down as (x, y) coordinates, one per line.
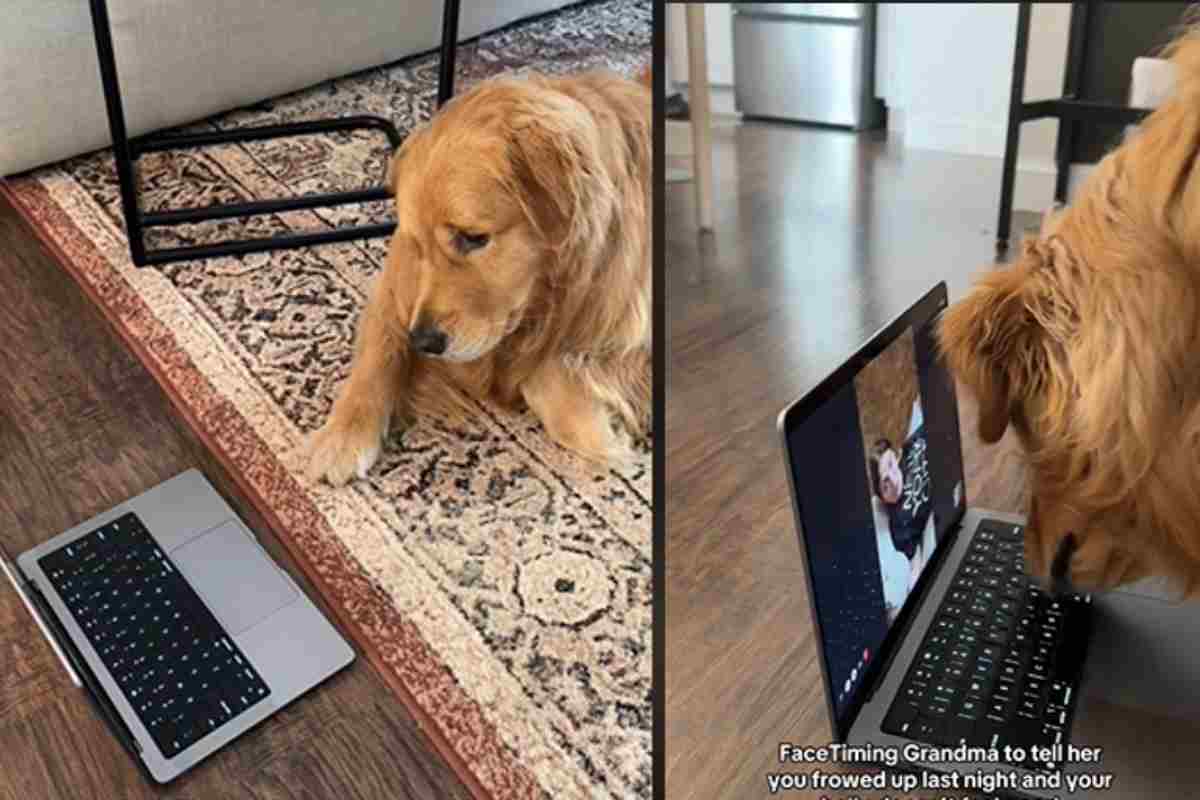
(502, 589)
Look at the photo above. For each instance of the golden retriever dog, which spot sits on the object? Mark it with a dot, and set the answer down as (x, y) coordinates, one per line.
(519, 272)
(1089, 346)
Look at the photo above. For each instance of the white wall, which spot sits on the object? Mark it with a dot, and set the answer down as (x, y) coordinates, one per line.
(945, 72)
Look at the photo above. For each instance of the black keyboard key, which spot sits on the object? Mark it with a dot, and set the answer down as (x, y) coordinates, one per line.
(1029, 709)
(997, 636)
(935, 708)
(899, 718)
(1010, 672)
(990, 651)
(998, 710)
(957, 730)
(984, 733)
(911, 695)
(984, 670)
(1059, 694)
(1055, 716)
(970, 709)
(942, 691)
(924, 729)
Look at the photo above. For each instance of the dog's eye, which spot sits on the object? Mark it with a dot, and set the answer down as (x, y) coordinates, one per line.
(467, 242)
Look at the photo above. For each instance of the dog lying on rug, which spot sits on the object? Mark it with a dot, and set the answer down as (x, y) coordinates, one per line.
(1089, 345)
(519, 272)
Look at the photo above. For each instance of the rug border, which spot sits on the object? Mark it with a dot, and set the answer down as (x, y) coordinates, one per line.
(425, 721)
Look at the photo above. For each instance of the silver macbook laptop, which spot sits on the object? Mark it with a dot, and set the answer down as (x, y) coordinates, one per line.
(184, 630)
(937, 650)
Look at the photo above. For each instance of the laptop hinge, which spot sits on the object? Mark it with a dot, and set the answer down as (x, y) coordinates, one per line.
(107, 711)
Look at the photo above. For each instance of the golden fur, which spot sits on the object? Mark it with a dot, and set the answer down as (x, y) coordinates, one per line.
(1090, 346)
(552, 310)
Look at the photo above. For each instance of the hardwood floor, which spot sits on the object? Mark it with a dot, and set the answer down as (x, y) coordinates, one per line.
(82, 427)
(821, 237)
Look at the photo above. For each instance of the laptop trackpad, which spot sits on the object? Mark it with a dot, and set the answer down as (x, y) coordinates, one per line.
(235, 578)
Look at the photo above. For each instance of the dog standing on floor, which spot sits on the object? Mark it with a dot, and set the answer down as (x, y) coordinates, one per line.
(519, 272)
(1089, 345)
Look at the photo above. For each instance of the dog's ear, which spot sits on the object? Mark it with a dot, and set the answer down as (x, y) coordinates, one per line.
(990, 341)
(556, 153)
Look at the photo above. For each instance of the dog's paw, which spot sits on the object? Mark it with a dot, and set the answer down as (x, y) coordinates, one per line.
(603, 443)
(337, 455)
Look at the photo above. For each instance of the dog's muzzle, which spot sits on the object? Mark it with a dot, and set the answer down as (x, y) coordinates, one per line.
(1060, 567)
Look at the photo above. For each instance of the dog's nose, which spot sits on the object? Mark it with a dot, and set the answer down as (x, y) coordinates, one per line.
(427, 340)
(1060, 567)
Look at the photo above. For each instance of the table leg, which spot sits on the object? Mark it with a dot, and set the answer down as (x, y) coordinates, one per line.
(701, 117)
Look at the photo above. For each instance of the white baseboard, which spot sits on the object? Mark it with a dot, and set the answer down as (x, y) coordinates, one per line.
(951, 135)
(1034, 187)
(720, 98)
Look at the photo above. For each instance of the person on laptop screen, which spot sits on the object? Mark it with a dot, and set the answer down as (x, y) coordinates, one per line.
(875, 498)
(903, 512)
(898, 476)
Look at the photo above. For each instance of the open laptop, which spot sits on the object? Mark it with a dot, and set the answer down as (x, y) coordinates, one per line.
(181, 626)
(930, 632)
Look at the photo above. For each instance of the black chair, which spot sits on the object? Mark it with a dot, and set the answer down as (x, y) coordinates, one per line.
(1068, 109)
(127, 151)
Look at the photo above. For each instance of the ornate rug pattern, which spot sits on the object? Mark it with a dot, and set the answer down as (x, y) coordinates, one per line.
(501, 588)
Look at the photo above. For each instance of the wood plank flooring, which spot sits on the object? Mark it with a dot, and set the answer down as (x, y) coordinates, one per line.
(83, 426)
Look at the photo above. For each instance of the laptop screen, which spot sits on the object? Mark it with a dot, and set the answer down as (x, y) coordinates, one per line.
(876, 466)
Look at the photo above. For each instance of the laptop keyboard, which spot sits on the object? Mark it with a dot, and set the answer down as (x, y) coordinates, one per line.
(1000, 665)
(175, 665)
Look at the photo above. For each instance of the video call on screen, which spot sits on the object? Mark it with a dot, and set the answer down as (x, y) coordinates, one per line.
(878, 473)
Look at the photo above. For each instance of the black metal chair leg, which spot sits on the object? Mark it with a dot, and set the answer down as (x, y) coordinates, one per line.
(1013, 140)
(448, 51)
(116, 125)
(1072, 78)
(126, 152)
